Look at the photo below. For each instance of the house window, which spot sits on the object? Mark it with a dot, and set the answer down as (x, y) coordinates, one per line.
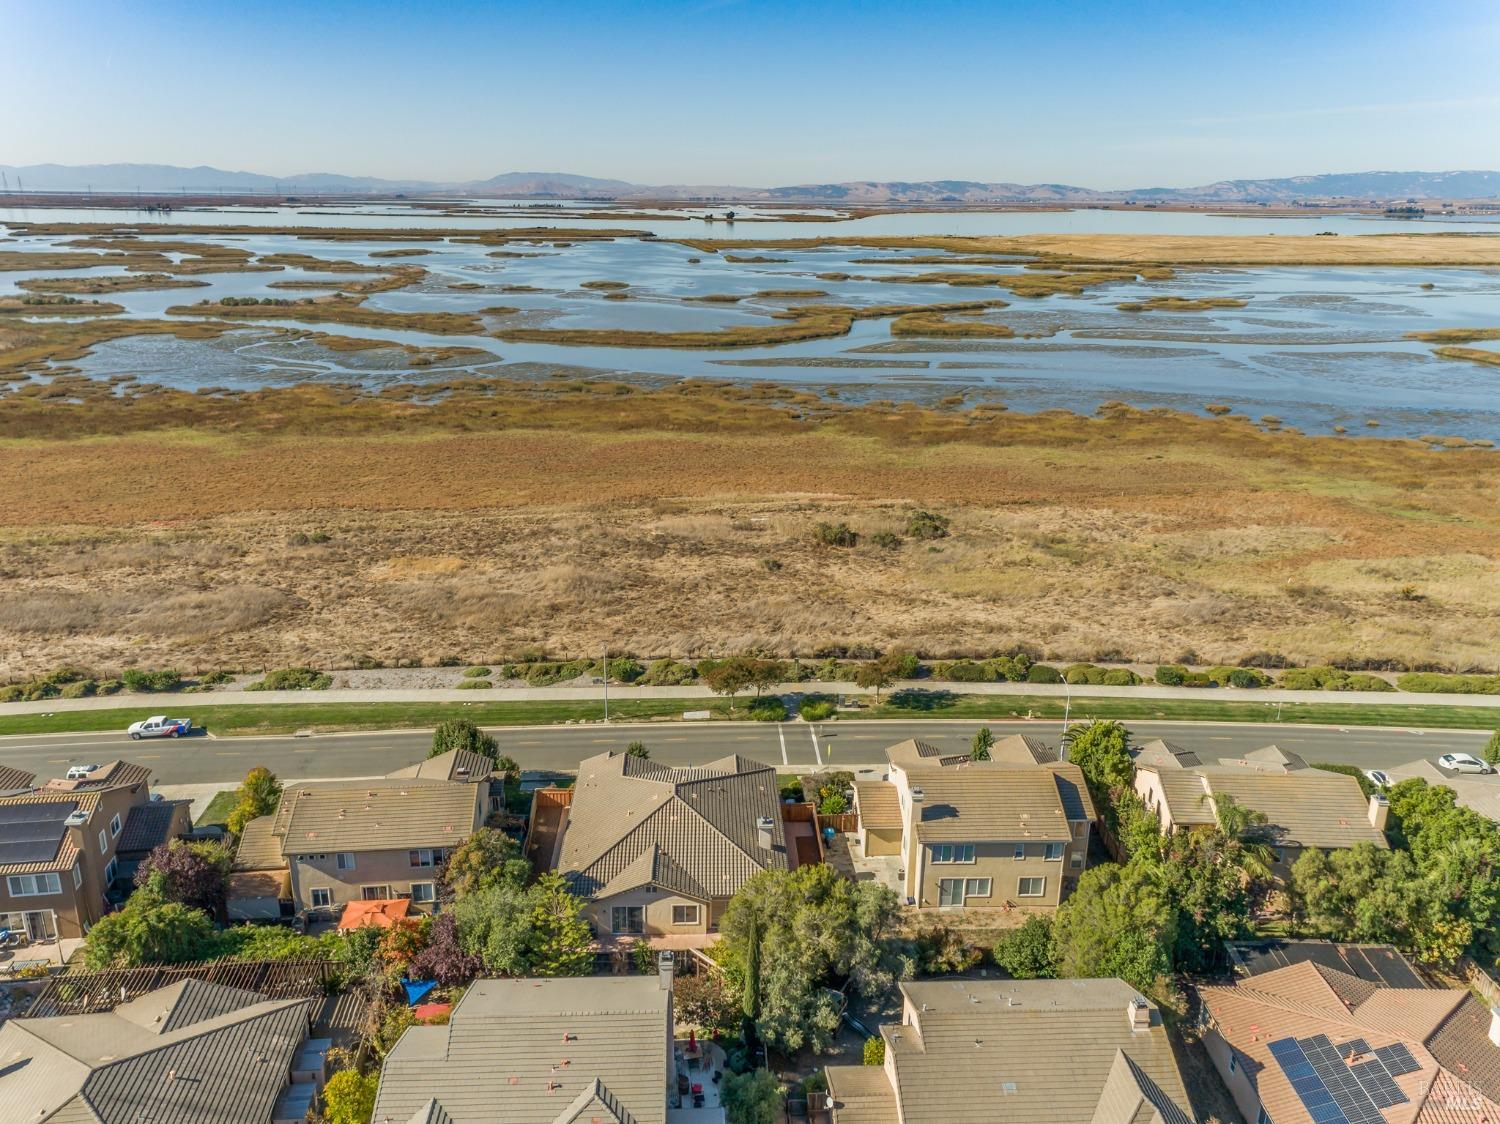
(1233, 1064)
(344, 860)
(1020, 851)
(627, 919)
(109, 872)
(1261, 1116)
(424, 857)
(1032, 887)
(375, 893)
(976, 887)
(422, 892)
(114, 826)
(322, 897)
(1054, 852)
(103, 843)
(34, 885)
(1075, 861)
(953, 853)
(684, 915)
(77, 875)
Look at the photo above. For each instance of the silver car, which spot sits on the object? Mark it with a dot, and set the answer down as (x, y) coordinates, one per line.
(1464, 763)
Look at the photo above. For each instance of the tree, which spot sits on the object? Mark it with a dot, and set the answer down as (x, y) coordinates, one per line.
(1492, 749)
(194, 874)
(705, 1001)
(532, 931)
(794, 935)
(444, 960)
(979, 749)
(487, 858)
(258, 795)
(563, 942)
(1026, 952)
(751, 1098)
(874, 674)
(151, 932)
(874, 1051)
(349, 1097)
(731, 676)
(637, 749)
(1117, 923)
(460, 733)
(508, 768)
(1102, 751)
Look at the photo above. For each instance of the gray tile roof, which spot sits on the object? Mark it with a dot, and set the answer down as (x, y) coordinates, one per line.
(633, 822)
(536, 1052)
(862, 1094)
(185, 1054)
(1031, 1050)
(455, 765)
(259, 847)
(377, 815)
(1162, 754)
(1462, 1044)
(150, 825)
(1020, 749)
(988, 800)
(13, 779)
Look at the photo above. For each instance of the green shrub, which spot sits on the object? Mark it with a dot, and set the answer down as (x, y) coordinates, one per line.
(1429, 682)
(768, 709)
(927, 525)
(476, 673)
(835, 534)
(1121, 677)
(816, 708)
(1094, 676)
(667, 673)
(965, 671)
(1492, 749)
(109, 687)
(1043, 673)
(474, 685)
(167, 679)
(293, 679)
(874, 1050)
(790, 788)
(214, 678)
(1331, 679)
(1171, 675)
(12, 692)
(1197, 679)
(81, 689)
(886, 540)
(623, 669)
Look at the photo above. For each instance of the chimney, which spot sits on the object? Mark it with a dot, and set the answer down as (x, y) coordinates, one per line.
(763, 829)
(1380, 810)
(664, 968)
(1139, 1014)
(1495, 1026)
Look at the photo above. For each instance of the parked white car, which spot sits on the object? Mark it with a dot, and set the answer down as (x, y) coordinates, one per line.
(160, 726)
(1464, 763)
(78, 772)
(1378, 778)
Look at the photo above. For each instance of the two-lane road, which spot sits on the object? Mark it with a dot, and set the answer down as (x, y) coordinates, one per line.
(203, 760)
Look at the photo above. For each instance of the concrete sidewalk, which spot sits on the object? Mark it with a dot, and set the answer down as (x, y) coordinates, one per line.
(179, 703)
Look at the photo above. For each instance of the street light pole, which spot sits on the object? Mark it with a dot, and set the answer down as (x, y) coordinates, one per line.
(1062, 752)
(605, 666)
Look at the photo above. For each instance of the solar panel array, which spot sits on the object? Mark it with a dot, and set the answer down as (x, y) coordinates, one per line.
(31, 833)
(1333, 1090)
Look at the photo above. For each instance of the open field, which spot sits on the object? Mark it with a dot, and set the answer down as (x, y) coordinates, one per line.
(172, 528)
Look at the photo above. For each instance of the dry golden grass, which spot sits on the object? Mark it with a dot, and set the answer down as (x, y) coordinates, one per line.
(124, 282)
(1180, 304)
(1471, 354)
(1456, 335)
(939, 326)
(513, 516)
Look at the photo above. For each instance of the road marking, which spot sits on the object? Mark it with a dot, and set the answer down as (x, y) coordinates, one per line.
(781, 733)
(818, 753)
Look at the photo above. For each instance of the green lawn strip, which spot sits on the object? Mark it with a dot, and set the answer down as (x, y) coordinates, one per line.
(322, 718)
(218, 809)
(286, 718)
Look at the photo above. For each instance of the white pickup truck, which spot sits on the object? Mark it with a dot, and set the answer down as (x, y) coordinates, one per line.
(160, 726)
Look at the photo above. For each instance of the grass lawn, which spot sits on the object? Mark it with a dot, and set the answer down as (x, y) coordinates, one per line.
(287, 718)
(218, 809)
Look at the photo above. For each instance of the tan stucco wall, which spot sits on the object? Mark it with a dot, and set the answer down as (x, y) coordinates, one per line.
(1238, 1083)
(371, 868)
(882, 840)
(658, 912)
(996, 861)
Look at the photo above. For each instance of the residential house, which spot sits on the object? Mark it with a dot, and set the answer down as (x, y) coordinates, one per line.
(191, 1051)
(980, 834)
(657, 850)
(331, 843)
(543, 1051)
(1309, 1044)
(1304, 807)
(62, 847)
(1379, 964)
(1021, 1051)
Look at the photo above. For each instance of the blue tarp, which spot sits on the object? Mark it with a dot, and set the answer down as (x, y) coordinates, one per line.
(416, 990)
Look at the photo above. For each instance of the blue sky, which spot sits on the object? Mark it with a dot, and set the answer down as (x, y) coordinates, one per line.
(757, 92)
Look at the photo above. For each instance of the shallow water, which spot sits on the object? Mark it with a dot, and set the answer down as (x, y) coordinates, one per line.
(1317, 347)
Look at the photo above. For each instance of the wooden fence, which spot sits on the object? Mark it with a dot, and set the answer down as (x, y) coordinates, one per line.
(844, 823)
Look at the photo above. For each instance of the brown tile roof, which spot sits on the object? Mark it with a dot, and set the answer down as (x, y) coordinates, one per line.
(1160, 753)
(862, 1094)
(879, 804)
(455, 765)
(988, 801)
(1462, 1044)
(112, 774)
(914, 752)
(1032, 1050)
(377, 816)
(259, 847)
(634, 821)
(1305, 1000)
(1019, 749)
(12, 779)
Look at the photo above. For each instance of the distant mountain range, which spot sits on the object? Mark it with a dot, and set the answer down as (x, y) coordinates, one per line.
(1381, 187)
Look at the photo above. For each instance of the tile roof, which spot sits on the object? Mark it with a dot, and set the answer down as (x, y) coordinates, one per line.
(990, 801)
(50, 845)
(455, 765)
(149, 825)
(1019, 749)
(862, 1094)
(1160, 753)
(259, 847)
(378, 815)
(879, 804)
(1031, 1050)
(1437, 1026)
(536, 1052)
(112, 774)
(259, 884)
(13, 779)
(633, 821)
(184, 1054)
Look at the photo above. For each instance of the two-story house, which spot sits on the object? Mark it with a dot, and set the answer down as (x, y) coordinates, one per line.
(330, 843)
(980, 834)
(62, 846)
